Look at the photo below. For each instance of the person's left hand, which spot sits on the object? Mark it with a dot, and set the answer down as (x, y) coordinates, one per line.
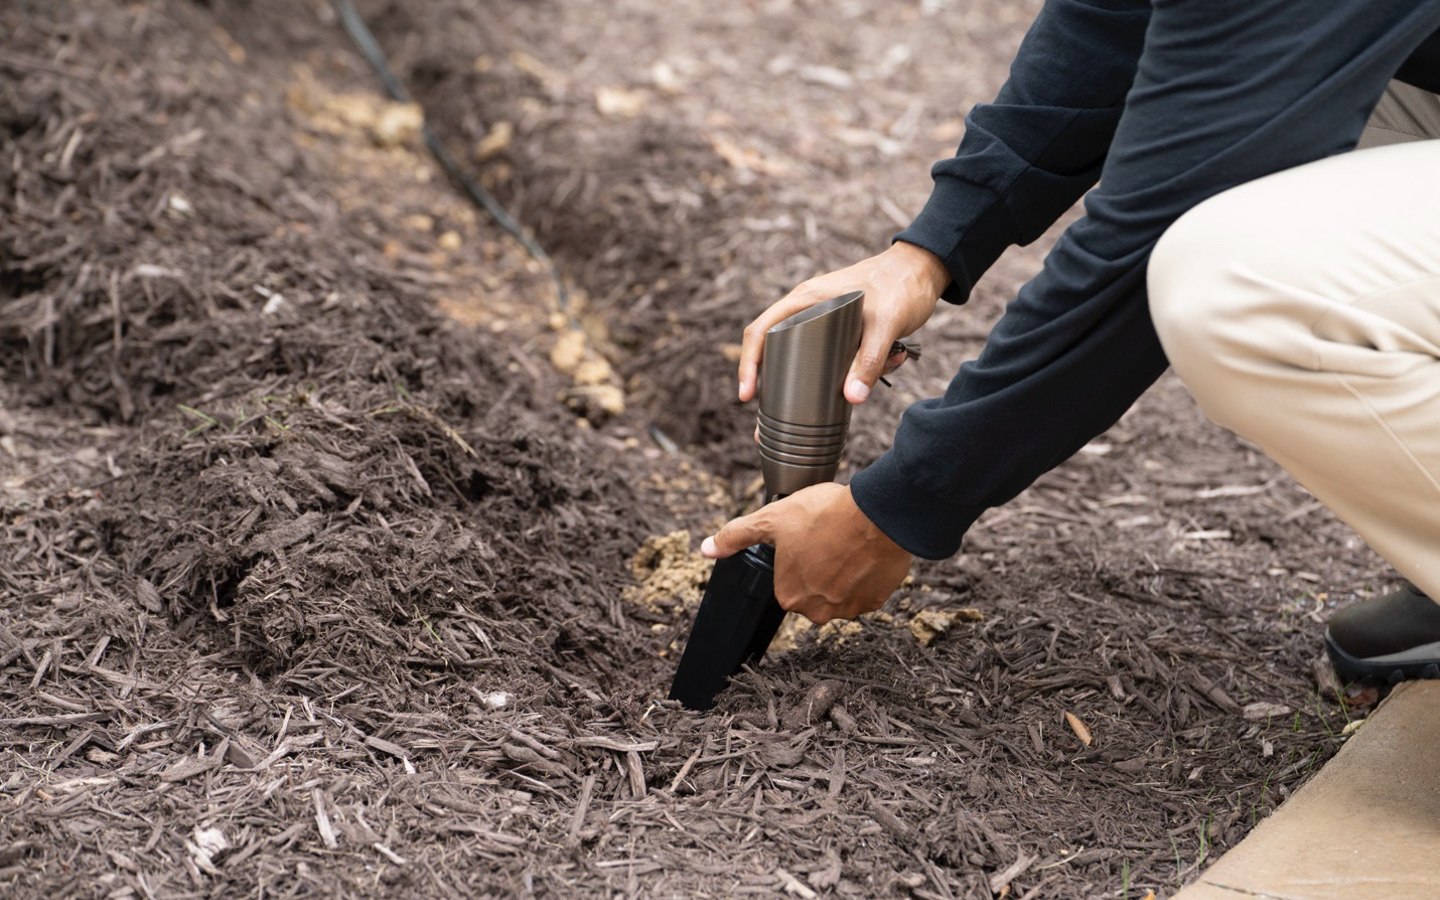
(831, 562)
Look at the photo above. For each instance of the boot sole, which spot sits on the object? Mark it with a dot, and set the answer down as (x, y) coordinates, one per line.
(1355, 668)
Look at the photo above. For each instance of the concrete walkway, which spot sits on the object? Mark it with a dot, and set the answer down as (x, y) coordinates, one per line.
(1368, 825)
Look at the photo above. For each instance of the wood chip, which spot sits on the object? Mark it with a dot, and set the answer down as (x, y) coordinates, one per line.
(587, 788)
(619, 102)
(322, 820)
(636, 772)
(827, 874)
(1082, 731)
(385, 746)
(818, 701)
(1000, 881)
(1261, 710)
(889, 821)
(191, 766)
(389, 854)
(619, 746)
(792, 885)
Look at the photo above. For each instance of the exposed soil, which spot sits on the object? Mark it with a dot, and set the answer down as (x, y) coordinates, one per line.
(336, 557)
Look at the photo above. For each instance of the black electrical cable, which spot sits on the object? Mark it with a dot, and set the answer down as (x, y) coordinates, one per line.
(365, 41)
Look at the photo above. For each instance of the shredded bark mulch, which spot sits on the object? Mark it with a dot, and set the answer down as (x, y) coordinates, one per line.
(336, 557)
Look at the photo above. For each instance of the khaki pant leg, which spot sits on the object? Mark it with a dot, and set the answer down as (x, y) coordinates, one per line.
(1303, 312)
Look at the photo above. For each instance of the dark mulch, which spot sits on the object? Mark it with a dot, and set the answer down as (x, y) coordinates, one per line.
(310, 587)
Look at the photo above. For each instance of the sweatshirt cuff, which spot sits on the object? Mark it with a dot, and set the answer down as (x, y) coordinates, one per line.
(910, 515)
(967, 226)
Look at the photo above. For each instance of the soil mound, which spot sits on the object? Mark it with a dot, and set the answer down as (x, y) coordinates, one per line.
(352, 478)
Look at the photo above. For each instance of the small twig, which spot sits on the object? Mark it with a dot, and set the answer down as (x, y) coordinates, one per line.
(685, 769)
(577, 821)
(31, 64)
(322, 820)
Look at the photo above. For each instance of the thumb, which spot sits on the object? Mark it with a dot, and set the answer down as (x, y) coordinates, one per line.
(736, 535)
(869, 363)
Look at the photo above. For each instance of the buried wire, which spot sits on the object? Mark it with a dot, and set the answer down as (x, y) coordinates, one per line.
(360, 34)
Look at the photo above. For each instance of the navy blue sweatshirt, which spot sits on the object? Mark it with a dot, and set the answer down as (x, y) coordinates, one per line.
(1164, 104)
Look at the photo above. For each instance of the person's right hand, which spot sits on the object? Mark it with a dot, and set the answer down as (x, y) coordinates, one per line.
(901, 285)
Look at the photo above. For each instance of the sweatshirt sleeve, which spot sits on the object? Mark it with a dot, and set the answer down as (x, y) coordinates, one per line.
(1225, 91)
(1029, 155)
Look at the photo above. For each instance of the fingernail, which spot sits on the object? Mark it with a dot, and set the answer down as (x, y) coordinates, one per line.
(707, 547)
(859, 390)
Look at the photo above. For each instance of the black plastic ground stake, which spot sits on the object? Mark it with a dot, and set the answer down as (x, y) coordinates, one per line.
(737, 619)
(801, 430)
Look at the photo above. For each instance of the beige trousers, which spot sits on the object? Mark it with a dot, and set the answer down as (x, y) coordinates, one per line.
(1303, 312)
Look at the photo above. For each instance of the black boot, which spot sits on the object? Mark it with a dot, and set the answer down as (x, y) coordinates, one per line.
(1390, 638)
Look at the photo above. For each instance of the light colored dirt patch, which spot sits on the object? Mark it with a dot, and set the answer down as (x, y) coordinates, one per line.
(838, 631)
(481, 280)
(670, 576)
(387, 123)
(596, 390)
(791, 631)
(928, 624)
(429, 232)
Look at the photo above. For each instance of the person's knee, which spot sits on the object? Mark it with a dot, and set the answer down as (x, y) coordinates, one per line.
(1185, 279)
(1203, 287)
(1208, 301)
